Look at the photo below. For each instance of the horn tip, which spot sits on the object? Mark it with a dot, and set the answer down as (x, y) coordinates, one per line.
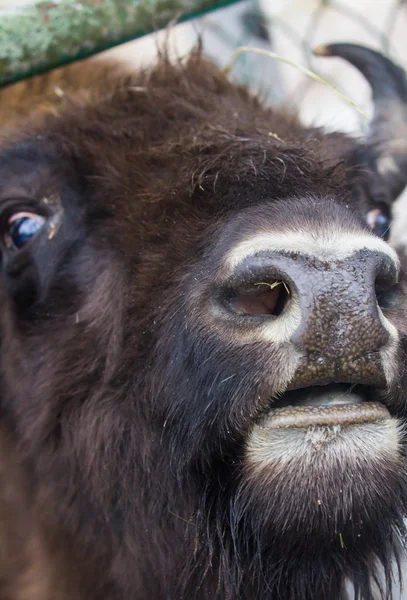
(322, 50)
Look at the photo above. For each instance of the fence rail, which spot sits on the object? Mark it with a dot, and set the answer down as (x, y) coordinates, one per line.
(39, 36)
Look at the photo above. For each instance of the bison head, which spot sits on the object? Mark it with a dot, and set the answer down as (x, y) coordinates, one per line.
(203, 342)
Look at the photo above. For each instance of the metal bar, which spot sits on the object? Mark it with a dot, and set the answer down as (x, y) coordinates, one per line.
(42, 35)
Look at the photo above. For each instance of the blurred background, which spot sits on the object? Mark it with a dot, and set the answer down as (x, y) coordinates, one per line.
(292, 28)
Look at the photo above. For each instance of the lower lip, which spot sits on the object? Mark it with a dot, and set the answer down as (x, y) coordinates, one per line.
(325, 416)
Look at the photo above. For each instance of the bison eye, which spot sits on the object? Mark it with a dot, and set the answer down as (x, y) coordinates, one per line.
(21, 227)
(262, 299)
(379, 222)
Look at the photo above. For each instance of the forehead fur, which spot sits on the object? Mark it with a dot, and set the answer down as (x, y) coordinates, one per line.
(184, 132)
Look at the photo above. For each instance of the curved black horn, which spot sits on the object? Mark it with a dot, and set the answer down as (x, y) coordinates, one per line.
(386, 144)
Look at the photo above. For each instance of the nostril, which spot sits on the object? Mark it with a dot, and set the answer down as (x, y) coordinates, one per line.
(261, 298)
(386, 276)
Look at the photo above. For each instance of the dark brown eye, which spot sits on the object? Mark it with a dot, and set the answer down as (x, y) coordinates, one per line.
(379, 223)
(21, 227)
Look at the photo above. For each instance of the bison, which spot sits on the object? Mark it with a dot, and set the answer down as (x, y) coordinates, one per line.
(203, 343)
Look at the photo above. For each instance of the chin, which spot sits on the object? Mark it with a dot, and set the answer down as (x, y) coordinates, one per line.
(324, 484)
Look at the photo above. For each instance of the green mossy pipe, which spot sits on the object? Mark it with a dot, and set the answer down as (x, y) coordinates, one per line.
(46, 34)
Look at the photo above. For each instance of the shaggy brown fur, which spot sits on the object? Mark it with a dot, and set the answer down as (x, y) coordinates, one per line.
(126, 447)
(48, 93)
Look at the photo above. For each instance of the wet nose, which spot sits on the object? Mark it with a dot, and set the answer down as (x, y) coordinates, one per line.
(341, 328)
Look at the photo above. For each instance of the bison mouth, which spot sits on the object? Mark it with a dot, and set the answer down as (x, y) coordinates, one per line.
(335, 405)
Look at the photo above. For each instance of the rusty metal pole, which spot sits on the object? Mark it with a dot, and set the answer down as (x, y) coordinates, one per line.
(42, 35)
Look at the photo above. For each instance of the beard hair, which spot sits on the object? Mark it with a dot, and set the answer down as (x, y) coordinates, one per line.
(306, 529)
